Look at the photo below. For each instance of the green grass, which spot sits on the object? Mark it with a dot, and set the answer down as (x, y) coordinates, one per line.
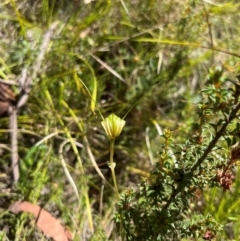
(149, 57)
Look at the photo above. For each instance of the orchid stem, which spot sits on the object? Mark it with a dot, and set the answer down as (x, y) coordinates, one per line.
(112, 164)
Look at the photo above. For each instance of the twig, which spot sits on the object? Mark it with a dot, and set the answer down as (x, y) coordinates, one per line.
(14, 142)
(209, 29)
(25, 83)
(43, 49)
(9, 82)
(110, 69)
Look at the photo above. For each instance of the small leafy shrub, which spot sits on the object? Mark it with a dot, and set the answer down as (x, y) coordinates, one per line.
(160, 208)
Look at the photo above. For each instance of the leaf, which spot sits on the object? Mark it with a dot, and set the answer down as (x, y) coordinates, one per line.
(49, 225)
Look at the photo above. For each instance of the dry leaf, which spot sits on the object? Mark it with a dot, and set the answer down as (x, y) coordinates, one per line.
(6, 93)
(44, 220)
(7, 97)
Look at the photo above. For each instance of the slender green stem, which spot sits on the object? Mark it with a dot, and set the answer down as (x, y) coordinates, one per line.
(112, 164)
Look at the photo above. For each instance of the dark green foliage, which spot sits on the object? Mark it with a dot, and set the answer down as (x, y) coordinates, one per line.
(159, 209)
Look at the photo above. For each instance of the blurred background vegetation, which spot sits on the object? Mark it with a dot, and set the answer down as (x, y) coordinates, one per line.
(107, 56)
